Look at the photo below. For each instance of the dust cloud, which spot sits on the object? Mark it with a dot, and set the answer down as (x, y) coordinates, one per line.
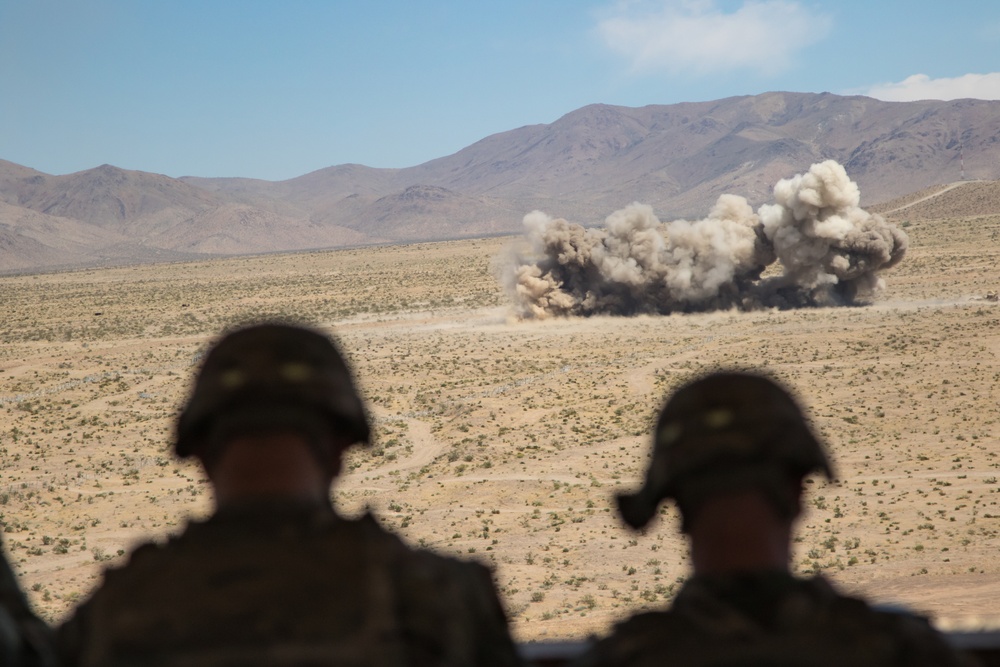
(825, 249)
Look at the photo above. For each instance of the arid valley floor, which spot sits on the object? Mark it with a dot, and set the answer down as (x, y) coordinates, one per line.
(504, 440)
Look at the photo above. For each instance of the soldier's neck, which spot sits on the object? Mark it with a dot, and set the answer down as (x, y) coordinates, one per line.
(738, 533)
(281, 468)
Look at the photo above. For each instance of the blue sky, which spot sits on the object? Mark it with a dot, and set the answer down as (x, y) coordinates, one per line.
(274, 89)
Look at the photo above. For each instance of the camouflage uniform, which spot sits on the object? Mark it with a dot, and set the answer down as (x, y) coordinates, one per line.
(271, 580)
(24, 639)
(287, 587)
(742, 432)
(770, 619)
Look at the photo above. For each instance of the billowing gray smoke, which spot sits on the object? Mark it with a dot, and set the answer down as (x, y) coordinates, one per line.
(829, 252)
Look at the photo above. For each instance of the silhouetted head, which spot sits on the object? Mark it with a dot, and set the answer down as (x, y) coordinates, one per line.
(272, 379)
(723, 432)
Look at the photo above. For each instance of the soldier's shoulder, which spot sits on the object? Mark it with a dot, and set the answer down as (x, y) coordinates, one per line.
(840, 605)
(142, 557)
(850, 606)
(638, 638)
(918, 637)
(426, 572)
(648, 622)
(442, 598)
(916, 640)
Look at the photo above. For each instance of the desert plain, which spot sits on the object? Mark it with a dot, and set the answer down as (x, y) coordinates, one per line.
(504, 440)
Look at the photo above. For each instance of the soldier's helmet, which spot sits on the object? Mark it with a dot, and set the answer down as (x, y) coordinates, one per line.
(272, 375)
(724, 431)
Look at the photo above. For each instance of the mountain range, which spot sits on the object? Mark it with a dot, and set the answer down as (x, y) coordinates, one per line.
(678, 158)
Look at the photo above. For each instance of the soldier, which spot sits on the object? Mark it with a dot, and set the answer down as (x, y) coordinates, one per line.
(25, 641)
(732, 450)
(275, 576)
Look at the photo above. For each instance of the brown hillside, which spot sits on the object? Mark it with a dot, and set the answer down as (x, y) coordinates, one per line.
(421, 210)
(956, 200)
(29, 239)
(677, 158)
(236, 229)
(111, 197)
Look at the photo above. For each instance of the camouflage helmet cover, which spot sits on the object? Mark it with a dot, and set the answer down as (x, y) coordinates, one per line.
(277, 372)
(723, 429)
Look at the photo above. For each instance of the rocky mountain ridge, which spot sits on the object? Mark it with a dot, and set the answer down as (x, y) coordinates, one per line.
(677, 158)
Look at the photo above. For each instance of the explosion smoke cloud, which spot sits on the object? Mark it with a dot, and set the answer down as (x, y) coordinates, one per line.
(829, 249)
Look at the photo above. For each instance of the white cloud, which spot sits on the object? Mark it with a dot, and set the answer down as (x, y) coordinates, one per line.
(695, 35)
(922, 87)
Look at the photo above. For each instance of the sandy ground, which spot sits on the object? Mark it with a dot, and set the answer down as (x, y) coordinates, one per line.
(504, 440)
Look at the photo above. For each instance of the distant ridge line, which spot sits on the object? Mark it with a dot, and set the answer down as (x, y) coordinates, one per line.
(592, 161)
